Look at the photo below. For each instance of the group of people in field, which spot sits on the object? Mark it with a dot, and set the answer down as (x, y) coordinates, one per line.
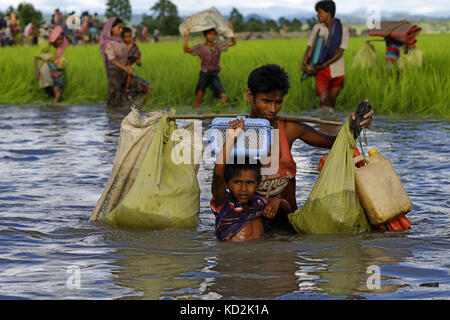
(118, 50)
(245, 200)
(120, 53)
(11, 33)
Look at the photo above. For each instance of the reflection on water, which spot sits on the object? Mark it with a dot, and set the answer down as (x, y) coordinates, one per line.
(56, 161)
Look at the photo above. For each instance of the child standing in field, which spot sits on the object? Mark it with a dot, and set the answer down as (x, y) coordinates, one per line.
(239, 209)
(209, 53)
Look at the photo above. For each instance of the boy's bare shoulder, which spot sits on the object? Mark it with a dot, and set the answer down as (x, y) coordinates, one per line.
(294, 128)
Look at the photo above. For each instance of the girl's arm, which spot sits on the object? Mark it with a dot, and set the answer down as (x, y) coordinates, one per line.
(186, 39)
(218, 187)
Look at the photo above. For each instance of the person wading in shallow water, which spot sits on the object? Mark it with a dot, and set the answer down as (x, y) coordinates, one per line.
(115, 56)
(267, 87)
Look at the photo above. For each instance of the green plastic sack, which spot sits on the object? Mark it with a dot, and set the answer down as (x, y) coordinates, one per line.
(333, 205)
(164, 194)
(366, 56)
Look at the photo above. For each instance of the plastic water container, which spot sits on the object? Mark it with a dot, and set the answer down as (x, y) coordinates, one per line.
(379, 189)
(254, 142)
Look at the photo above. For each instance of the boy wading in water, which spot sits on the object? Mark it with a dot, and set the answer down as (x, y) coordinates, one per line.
(267, 87)
(329, 70)
(238, 210)
(209, 53)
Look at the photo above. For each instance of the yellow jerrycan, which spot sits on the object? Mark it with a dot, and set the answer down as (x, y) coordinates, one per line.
(379, 189)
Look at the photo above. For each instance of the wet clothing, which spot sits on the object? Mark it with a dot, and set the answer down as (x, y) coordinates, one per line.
(210, 80)
(113, 48)
(324, 81)
(282, 182)
(231, 216)
(117, 97)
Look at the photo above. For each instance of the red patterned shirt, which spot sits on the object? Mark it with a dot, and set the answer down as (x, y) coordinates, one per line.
(210, 56)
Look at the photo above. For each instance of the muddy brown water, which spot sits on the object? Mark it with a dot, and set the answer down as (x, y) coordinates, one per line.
(55, 163)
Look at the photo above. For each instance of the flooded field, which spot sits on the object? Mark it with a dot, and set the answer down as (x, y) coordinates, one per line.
(55, 163)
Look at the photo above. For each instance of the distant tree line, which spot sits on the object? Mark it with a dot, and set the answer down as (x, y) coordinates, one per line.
(164, 16)
(25, 13)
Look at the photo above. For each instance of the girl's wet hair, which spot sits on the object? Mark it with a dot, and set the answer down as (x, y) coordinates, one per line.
(268, 78)
(234, 169)
(327, 6)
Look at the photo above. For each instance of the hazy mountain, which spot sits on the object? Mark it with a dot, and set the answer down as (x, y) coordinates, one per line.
(356, 16)
(275, 12)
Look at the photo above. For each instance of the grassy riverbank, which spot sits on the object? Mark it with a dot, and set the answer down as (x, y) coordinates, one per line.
(173, 74)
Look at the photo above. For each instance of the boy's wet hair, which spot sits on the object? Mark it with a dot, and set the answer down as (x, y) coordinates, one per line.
(327, 6)
(126, 30)
(234, 169)
(268, 78)
(208, 31)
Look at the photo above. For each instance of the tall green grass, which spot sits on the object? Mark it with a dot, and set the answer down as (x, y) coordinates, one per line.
(174, 74)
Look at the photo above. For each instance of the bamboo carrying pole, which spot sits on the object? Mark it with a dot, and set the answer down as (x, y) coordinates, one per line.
(283, 118)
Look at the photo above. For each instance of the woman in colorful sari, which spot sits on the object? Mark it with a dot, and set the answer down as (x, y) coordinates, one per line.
(115, 56)
(50, 73)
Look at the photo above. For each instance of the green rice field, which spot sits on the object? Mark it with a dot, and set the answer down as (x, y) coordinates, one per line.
(420, 92)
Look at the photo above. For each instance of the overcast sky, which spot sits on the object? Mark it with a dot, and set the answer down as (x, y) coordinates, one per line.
(143, 6)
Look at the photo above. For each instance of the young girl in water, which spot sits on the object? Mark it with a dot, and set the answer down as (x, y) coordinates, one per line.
(239, 209)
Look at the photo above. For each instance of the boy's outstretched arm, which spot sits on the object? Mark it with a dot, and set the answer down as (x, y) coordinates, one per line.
(186, 39)
(298, 130)
(218, 187)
